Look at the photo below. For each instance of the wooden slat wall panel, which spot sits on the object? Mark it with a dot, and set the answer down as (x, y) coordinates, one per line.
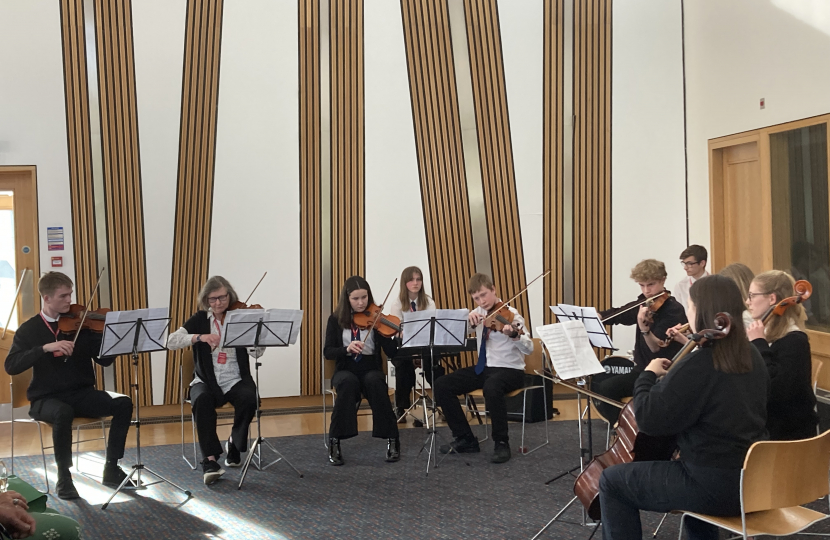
(440, 154)
(592, 153)
(122, 175)
(348, 246)
(197, 147)
(311, 248)
(79, 149)
(496, 151)
(552, 167)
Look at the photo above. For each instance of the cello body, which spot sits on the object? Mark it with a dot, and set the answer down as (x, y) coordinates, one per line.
(631, 445)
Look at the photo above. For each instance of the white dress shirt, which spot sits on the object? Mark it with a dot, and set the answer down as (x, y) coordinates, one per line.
(681, 290)
(503, 351)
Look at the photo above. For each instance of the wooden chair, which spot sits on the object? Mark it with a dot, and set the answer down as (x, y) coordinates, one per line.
(534, 362)
(816, 371)
(777, 478)
(19, 384)
(328, 373)
(186, 370)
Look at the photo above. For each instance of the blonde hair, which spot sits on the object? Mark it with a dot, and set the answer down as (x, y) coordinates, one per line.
(406, 276)
(740, 274)
(648, 270)
(477, 281)
(780, 284)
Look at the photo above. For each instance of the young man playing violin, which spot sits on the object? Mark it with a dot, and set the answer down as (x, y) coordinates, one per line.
(63, 382)
(498, 371)
(652, 319)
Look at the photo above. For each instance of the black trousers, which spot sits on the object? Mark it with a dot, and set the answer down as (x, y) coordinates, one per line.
(61, 409)
(243, 398)
(614, 387)
(350, 386)
(661, 486)
(496, 382)
(405, 378)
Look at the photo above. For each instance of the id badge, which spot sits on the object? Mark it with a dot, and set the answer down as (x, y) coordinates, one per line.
(223, 358)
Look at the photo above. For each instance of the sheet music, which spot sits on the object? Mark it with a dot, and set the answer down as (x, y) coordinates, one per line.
(119, 331)
(569, 349)
(450, 327)
(241, 327)
(590, 318)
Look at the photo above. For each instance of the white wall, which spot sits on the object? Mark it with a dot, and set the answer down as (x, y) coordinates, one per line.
(256, 210)
(737, 52)
(33, 113)
(158, 37)
(522, 40)
(647, 161)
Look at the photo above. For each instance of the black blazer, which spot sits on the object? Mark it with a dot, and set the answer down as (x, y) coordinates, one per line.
(199, 323)
(334, 349)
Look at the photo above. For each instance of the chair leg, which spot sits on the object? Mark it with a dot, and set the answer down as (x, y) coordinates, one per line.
(193, 430)
(43, 456)
(12, 440)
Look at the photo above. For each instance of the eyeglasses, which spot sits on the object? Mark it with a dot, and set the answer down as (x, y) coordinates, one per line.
(215, 299)
(686, 264)
(751, 295)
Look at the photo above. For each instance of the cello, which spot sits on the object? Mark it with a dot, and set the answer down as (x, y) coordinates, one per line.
(632, 444)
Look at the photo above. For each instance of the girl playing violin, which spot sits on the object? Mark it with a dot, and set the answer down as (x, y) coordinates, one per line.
(358, 372)
(786, 350)
(413, 297)
(221, 375)
(715, 402)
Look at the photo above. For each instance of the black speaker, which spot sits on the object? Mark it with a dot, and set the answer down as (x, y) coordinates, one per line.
(538, 408)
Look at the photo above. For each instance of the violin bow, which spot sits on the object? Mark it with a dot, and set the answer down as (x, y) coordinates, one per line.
(540, 276)
(14, 303)
(638, 304)
(86, 309)
(255, 287)
(377, 316)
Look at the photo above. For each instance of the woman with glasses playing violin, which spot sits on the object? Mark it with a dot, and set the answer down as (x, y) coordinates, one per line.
(221, 375)
(652, 319)
(358, 371)
(786, 350)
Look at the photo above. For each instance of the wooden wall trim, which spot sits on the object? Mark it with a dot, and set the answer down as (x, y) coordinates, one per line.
(439, 150)
(311, 248)
(552, 157)
(495, 151)
(592, 152)
(197, 152)
(348, 242)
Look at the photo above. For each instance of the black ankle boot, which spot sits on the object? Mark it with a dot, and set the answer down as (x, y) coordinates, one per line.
(393, 449)
(335, 456)
(65, 487)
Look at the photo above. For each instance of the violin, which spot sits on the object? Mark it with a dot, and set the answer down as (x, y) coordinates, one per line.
(239, 304)
(803, 290)
(631, 443)
(654, 303)
(682, 330)
(73, 320)
(372, 317)
(501, 317)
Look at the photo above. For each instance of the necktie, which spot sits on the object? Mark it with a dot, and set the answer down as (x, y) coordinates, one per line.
(412, 306)
(356, 337)
(482, 353)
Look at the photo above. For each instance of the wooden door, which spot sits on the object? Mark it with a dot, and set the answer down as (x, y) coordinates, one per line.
(743, 221)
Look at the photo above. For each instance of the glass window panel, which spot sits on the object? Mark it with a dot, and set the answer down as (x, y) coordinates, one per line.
(8, 280)
(800, 221)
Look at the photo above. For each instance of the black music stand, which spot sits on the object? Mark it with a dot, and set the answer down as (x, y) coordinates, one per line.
(258, 328)
(142, 332)
(432, 336)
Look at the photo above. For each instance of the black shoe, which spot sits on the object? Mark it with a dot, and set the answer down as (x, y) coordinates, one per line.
(400, 414)
(213, 471)
(417, 423)
(66, 489)
(113, 476)
(393, 450)
(233, 459)
(462, 446)
(335, 456)
(501, 454)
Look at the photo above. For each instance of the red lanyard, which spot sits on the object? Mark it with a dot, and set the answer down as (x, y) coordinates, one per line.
(218, 329)
(56, 332)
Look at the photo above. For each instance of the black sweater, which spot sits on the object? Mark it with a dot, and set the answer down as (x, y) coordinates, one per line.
(199, 323)
(791, 408)
(716, 416)
(670, 314)
(51, 375)
(334, 349)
